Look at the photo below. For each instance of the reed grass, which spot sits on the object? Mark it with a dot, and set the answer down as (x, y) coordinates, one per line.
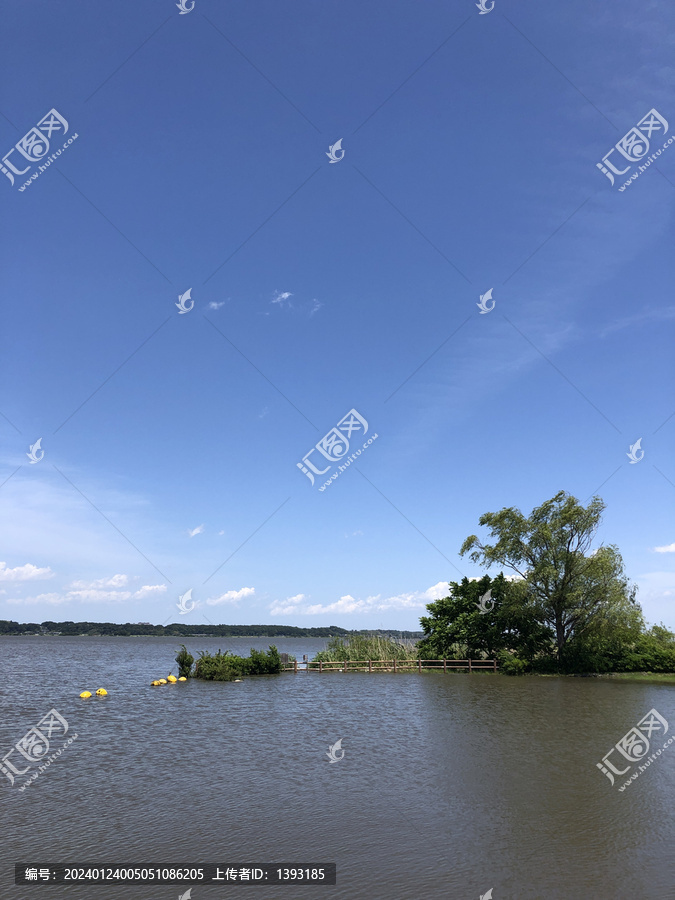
(363, 647)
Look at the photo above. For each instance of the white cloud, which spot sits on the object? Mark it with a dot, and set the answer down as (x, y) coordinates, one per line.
(97, 596)
(29, 572)
(40, 598)
(198, 530)
(348, 604)
(148, 590)
(289, 607)
(115, 581)
(216, 305)
(231, 596)
(668, 548)
(305, 307)
(281, 297)
(94, 592)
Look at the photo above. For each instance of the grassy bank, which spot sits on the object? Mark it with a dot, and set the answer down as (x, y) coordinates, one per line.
(655, 677)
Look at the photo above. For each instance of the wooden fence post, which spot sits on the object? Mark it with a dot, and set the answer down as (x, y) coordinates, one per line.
(295, 667)
(320, 666)
(370, 665)
(445, 669)
(494, 664)
(469, 665)
(419, 666)
(394, 667)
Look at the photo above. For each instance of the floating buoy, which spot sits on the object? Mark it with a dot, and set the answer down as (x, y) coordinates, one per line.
(238, 679)
(172, 679)
(85, 695)
(154, 683)
(101, 692)
(182, 678)
(162, 681)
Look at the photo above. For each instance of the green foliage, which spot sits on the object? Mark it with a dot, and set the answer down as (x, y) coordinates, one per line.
(184, 660)
(360, 647)
(510, 664)
(226, 666)
(263, 662)
(456, 627)
(571, 588)
(623, 650)
(9, 627)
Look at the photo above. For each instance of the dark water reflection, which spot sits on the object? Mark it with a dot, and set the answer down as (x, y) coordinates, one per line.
(450, 785)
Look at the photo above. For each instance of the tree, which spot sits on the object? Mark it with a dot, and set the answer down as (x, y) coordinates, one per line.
(572, 588)
(506, 621)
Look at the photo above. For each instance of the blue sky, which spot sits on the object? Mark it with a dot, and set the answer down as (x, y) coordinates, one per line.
(171, 441)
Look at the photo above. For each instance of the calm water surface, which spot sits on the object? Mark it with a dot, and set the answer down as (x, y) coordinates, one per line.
(450, 784)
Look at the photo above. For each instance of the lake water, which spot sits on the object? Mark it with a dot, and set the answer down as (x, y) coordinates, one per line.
(450, 785)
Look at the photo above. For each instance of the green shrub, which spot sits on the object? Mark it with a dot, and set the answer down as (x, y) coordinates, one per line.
(226, 666)
(184, 660)
(263, 662)
(510, 664)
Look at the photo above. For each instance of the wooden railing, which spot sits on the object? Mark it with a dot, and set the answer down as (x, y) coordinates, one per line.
(393, 665)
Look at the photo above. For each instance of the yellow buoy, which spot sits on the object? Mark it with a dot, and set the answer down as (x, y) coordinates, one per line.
(154, 683)
(101, 692)
(171, 678)
(162, 680)
(182, 678)
(85, 695)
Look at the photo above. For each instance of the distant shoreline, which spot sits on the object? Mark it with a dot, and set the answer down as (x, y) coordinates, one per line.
(179, 630)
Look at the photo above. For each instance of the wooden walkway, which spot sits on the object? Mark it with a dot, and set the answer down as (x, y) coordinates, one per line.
(392, 665)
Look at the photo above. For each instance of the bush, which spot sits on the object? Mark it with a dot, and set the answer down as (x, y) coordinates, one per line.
(184, 660)
(264, 663)
(510, 664)
(226, 667)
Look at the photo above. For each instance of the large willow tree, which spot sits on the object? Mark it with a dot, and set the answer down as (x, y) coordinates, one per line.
(574, 589)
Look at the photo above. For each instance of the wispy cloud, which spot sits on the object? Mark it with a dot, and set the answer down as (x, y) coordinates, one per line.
(663, 313)
(305, 307)
(281, 297)
(216, 304)
(667, 548)
(231, 596)
(198, 530)
(28, 572)
(54, 598)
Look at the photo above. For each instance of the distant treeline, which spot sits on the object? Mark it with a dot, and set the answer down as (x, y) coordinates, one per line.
(179, 630)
